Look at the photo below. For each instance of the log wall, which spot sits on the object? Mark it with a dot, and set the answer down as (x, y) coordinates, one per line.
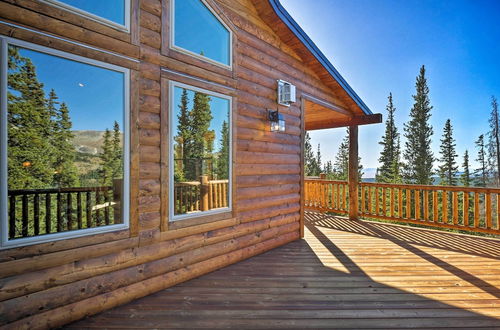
(50, 284)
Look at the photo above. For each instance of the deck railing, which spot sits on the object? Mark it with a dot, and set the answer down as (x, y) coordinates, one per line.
(203, 195)
(469, 209)
(33, 212)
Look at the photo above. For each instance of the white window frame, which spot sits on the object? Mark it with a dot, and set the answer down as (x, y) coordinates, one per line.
(171, 105)
(173, 46)
(5, 242)
(83, 13)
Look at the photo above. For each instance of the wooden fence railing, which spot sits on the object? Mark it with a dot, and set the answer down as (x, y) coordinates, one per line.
(33, 212)
(203, 195)
(470, 209)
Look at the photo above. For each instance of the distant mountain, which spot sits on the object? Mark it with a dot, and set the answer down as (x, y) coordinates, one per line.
(369, 173)
(88, 142)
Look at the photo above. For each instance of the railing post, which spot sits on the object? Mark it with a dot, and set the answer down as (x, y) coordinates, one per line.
(117, 199)
(353, 173)
(204, 192)
(322, 176)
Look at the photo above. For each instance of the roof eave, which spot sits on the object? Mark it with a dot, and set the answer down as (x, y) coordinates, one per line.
(304, 38)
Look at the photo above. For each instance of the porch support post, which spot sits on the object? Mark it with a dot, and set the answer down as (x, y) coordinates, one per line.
(353, 172)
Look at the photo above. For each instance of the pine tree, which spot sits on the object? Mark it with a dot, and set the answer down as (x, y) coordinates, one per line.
(223, 157)
(183, 130)
(449, 168)
(195, 148)
(494, 143)
(317, 170)
(389, 157)
(341, 163)
(66, 173)
(418, 132)
(106, 156)
(481, 173)
(309, 159)
(117, 162)
(328, 170)
(30, 153)
(465, 178)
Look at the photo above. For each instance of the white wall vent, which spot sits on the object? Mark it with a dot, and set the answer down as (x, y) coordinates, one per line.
(286, 93)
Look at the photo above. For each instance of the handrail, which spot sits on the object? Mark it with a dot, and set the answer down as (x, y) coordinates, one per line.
(471, 209)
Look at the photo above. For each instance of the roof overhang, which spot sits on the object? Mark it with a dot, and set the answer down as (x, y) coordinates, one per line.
(319, 114)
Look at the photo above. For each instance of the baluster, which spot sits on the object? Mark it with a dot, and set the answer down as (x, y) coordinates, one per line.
(400, 202)
(455, 208)
(106, 208)
(408, 203)
(445, 206)
(384, 202)
(498, 212)
(377, 201)
(88, 208)
(362, 205)
(69, 210)
(488, 210)
(36, 213)
(97, 208)
(392, 201)
(476, 210)
(465, 208)
(25, 215)
(426, 205)
(79, 209)
(417, 204)
(59, 213)
(48, 213)
(435, 212)
(12, 216)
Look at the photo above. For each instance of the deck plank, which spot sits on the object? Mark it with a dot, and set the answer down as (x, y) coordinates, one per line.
(343, 274)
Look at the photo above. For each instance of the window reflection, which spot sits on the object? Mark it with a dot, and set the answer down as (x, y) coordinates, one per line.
(198, 31)
(201, 151)
(65, 144)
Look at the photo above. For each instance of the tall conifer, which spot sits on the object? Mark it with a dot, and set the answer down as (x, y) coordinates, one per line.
(418, 132)
(389, 157)
(481, 173)
(223, 157)
(494, 143)
(465, 178)
(449, 168)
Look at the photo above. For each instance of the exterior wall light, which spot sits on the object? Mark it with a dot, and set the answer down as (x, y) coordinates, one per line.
(277, 121)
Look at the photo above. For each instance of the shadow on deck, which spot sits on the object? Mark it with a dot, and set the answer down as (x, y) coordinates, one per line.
(344, 274)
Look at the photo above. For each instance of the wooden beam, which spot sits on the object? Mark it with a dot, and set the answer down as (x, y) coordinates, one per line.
(327, 105)
(353, 172)
(354, 121)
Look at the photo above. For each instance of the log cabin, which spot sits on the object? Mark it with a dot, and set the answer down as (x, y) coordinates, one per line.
(210, 100)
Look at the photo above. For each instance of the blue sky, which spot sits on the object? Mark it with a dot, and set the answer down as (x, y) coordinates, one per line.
(94, 95)
(378, 47)
(113, 10)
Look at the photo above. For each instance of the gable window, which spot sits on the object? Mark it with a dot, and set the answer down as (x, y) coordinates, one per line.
(198, 31)
(64, 145)
(114, 13)
(200, 157)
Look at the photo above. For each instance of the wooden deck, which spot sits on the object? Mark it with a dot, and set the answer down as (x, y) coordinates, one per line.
(344, 274)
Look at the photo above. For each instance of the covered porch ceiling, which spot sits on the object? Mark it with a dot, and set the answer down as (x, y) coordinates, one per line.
(322, 115)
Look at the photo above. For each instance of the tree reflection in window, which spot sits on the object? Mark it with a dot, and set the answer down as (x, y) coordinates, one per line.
(201, 151)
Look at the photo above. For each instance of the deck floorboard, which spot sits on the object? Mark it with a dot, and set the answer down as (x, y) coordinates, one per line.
(343, 274)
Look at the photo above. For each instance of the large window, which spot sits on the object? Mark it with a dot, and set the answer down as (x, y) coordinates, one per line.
(115, 13)
(198, 31)
(64, 145)
(200, 156)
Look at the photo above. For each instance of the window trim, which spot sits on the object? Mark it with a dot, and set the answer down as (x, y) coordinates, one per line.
(173, 46)
(96, 18)
(5, 243)
(172, 217)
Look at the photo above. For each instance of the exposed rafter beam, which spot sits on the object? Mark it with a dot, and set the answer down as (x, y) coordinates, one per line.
(354, 121)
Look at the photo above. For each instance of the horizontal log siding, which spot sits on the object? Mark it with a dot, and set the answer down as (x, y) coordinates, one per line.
(50, 284)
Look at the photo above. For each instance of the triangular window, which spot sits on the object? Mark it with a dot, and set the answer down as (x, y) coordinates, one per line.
(198, 31)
